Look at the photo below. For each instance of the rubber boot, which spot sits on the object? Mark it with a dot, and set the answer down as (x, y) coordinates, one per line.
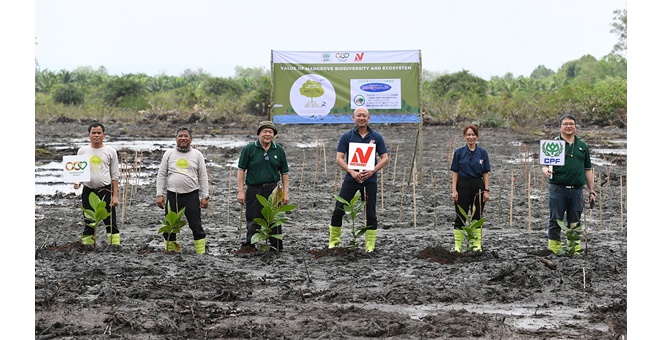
(459, 237)
(87, 240)
(554, 246)
(200, 246)
(476, 243)
(370, 235)
(171, 245)
(334, 236)
(115, 240)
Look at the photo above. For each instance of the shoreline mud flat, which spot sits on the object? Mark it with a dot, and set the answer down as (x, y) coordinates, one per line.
(413, 286)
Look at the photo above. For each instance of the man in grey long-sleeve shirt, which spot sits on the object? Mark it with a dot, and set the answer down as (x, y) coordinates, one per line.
(104, 179)
(183, 176)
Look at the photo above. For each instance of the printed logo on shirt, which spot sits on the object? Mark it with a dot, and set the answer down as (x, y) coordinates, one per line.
(182, 163)
(96, 163)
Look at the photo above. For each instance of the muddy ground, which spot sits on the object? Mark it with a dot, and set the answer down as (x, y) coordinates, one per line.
(411, 287)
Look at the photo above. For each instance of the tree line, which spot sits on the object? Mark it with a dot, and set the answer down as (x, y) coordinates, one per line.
(594, 89)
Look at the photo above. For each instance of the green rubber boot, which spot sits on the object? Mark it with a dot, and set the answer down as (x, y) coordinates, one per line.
(459, 237)
(334, 236)
(171, 245)
(115, 240)
(477, 242)
(87, 240)
(200, 246)
(554, 246)
(370, 235)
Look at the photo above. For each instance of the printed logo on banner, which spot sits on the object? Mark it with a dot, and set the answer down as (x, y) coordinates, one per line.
(362, 156)
(326, 57)
(312, 95)
(359, 57)
(342, 56)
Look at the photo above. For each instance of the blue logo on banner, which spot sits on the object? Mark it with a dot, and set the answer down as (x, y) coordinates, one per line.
(375, 87)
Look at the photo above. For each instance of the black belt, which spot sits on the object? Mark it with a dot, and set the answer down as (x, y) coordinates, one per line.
(265, 185)
(571, 186)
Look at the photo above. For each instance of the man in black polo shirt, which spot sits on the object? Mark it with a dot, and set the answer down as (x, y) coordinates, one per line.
(567, 181)
(262, 164)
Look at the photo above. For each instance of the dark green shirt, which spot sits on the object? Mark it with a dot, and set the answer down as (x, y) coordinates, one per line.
(263, 167)
(576, 161)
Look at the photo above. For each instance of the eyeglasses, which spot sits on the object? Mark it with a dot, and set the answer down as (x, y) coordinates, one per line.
(568, 124)
(266, 156)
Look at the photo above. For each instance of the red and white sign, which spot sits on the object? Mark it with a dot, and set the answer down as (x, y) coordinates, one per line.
(361, 156)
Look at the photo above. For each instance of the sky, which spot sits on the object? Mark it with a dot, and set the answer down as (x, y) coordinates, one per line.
(487, 38)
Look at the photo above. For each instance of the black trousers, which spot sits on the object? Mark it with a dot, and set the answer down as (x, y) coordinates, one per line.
(192, 203)
(105, 194)
(347, 192)
(468, 196)
(253, 210)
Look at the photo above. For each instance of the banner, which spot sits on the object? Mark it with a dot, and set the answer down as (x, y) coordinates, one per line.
(326, 87)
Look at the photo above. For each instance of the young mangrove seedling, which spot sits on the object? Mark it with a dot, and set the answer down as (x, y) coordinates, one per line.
(273, 215)
(573, 235)
(470, 227)
(96, 215)
(352, 209)
(172, 224)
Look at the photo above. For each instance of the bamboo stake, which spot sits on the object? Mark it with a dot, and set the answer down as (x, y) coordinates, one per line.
(414, 158)
(324, 156)
(393, 181)
(301, 179)
(600, 203)
(125, 176)
(138, 161)
(400, 214)
(621, 204)
(210, 202)
(511, 202)
(600, 198)
(437, 231)
(499, 199)
(414, 195)
(230, 175)
(315, 176)
(529, 204)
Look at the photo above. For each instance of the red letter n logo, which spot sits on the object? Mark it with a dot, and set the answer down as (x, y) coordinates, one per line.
(359, 56)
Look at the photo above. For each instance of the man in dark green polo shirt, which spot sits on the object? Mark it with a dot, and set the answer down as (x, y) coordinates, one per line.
(262, 164)
(567, 181)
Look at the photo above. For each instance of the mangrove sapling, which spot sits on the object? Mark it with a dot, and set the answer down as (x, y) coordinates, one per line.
(172, 224)
(573, 235)
(96, 215)
(352, 209)
(470, 226)
(274, 215)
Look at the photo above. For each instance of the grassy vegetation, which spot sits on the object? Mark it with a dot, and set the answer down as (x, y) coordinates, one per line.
(595, 90)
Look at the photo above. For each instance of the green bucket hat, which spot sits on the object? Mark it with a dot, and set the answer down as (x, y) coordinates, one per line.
(267, 124)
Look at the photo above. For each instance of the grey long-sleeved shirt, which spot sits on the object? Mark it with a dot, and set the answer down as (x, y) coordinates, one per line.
(182, 172)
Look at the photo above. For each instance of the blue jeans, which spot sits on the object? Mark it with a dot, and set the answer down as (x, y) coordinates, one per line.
(563, 200)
